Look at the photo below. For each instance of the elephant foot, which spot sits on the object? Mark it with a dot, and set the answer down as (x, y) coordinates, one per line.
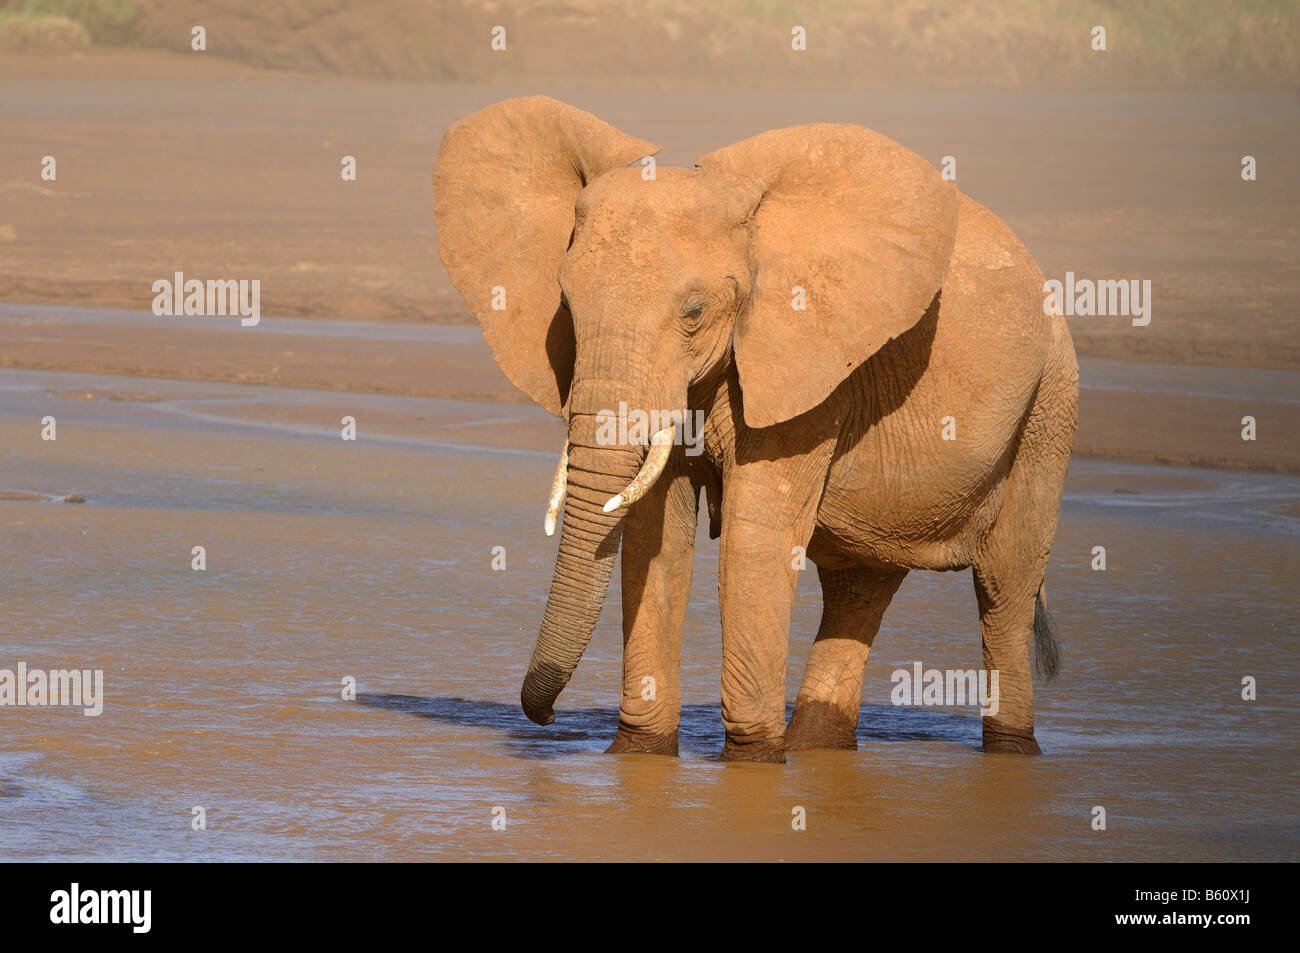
(643, 742)
(1004, 739)
(818, 724)
(768, 750)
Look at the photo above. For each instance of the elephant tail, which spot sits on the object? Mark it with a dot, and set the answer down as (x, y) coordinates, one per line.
(1047, 650)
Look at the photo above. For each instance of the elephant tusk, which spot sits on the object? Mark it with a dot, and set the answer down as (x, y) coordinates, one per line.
(661, 445)
(557, 491)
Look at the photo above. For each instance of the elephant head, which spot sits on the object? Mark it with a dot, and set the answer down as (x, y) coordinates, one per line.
(797, 254)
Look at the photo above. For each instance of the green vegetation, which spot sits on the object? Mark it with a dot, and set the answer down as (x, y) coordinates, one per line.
(23, 33)
(102, 21)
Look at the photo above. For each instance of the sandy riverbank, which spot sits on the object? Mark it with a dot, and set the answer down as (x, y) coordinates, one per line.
(168, 162)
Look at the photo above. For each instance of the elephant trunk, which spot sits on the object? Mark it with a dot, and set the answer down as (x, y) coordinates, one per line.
(589, 541)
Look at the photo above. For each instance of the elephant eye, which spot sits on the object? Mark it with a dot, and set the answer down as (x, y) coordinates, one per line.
(693, 310)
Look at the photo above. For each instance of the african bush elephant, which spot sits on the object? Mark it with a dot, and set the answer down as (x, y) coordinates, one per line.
(839, 313)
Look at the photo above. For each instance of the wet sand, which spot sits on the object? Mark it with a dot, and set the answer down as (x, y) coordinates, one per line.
(372, 559)
(1176, 414)
(175, 162)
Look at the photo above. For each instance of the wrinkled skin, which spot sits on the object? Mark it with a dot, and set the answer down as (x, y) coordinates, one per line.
(824, 424)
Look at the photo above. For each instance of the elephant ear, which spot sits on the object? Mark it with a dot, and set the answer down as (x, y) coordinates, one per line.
(504, 188)
(863, 226)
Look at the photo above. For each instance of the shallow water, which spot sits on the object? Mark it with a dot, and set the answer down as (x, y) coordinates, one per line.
(371, 559)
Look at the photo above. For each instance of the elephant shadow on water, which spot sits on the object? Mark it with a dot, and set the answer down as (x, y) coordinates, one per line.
(588, 730)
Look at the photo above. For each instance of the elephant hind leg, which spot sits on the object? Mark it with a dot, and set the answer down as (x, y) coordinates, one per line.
(826, 710)
(1009, 567)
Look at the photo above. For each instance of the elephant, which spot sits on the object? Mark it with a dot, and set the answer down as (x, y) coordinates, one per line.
(881, 383)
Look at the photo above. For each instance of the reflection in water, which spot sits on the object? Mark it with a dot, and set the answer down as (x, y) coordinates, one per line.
(591, 729)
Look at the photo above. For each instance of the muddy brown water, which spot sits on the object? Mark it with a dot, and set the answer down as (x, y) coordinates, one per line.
(372, 559)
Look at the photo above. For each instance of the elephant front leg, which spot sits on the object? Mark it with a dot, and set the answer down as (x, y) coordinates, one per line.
(769, 507)
(826, 710)
(658, 555)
